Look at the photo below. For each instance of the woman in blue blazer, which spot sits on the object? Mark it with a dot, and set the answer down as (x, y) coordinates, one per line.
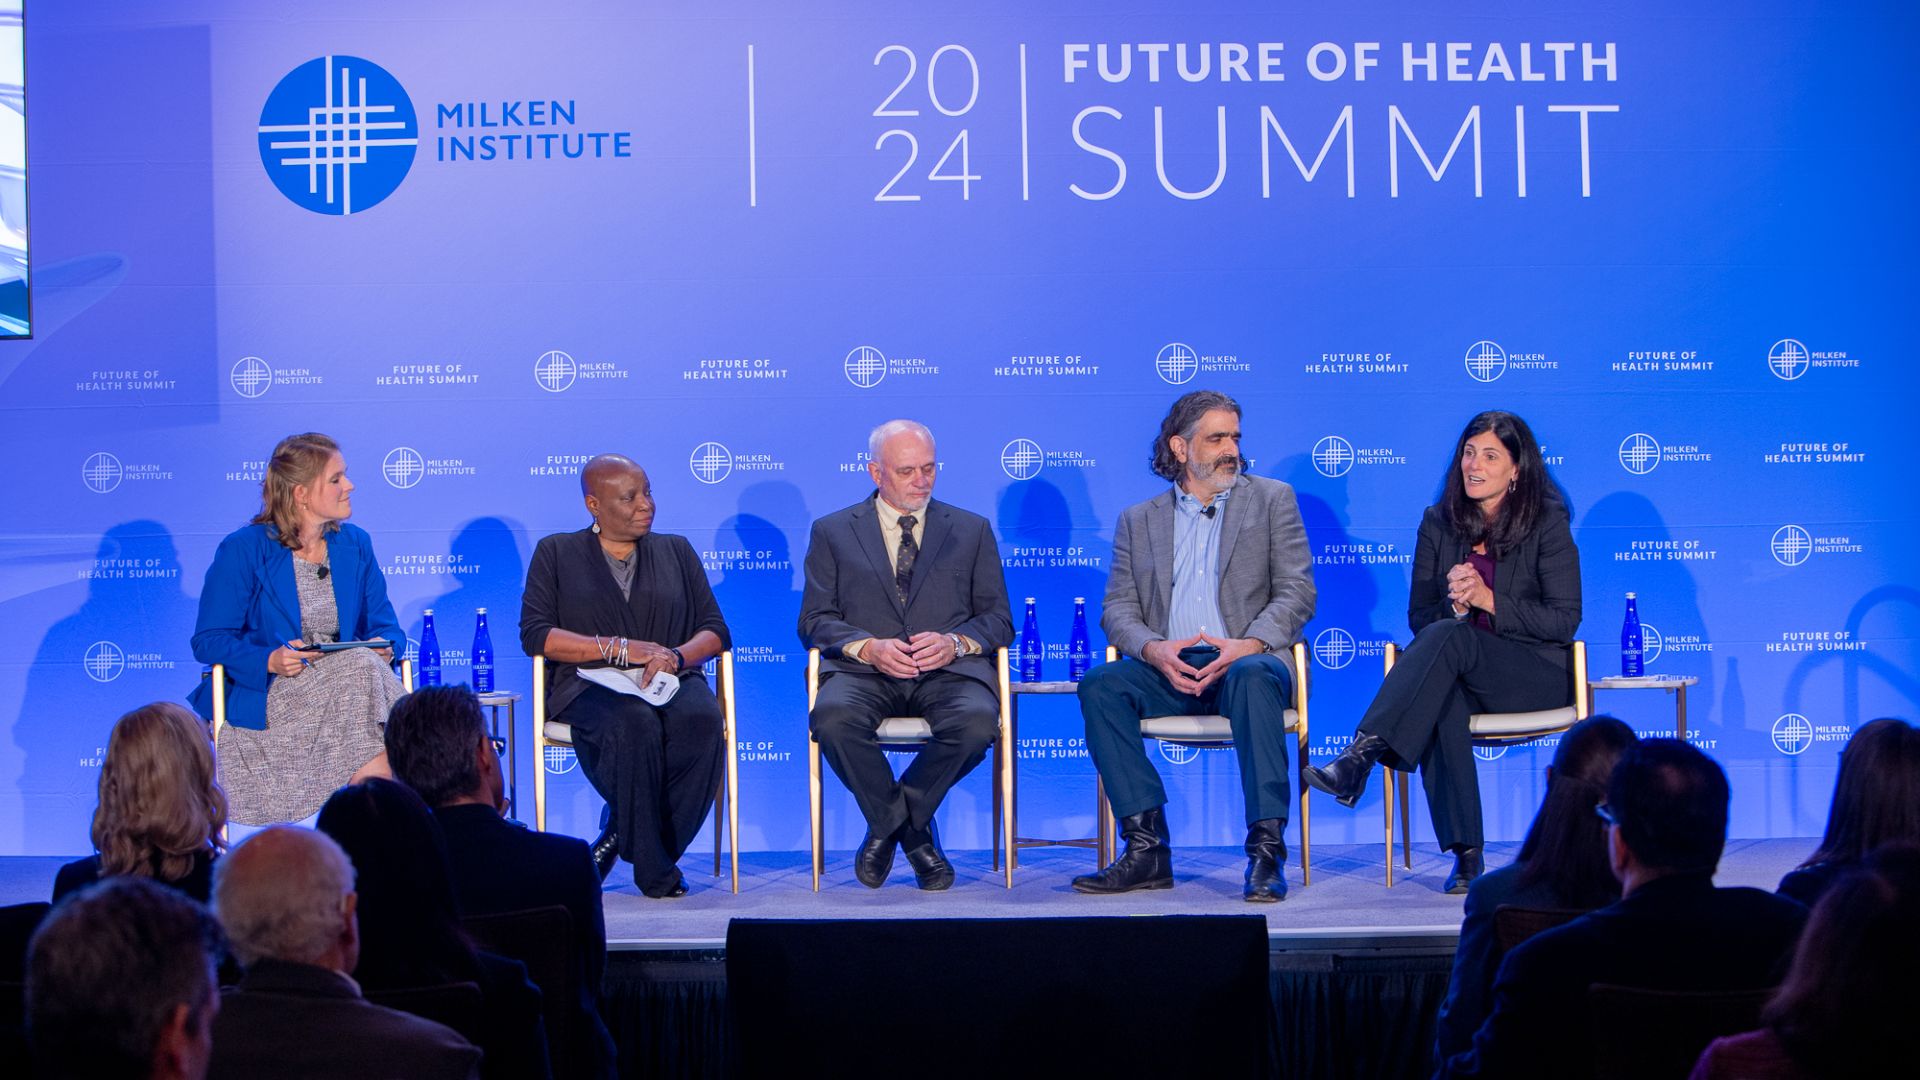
(1494, 605)
(302, 723)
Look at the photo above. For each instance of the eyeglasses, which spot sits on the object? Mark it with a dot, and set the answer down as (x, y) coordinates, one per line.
(1605, 813)
(499, 744)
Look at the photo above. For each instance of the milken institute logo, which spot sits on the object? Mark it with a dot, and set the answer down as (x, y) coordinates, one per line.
(338, 134)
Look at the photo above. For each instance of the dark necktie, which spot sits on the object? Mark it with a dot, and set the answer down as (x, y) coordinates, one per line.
(903, 559)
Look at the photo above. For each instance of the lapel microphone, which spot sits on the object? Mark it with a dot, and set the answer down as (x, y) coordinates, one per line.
(323, 571)
(1208, 512)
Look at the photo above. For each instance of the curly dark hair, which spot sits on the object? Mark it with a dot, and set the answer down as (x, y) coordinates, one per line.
(1181, 420)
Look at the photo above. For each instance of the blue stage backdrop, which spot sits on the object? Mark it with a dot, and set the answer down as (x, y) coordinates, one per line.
(479, 242)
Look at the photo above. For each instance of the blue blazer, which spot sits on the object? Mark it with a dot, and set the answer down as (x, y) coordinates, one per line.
(250, 606)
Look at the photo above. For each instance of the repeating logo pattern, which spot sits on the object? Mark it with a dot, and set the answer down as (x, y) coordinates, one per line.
(555, 371)
(1176, 754)
(102, 473)
(403, 467)
(251, 377)
(1177, 363)
(710, 462)
(1022, 459)
(559, 760)
(1791, 545)
(104, 661)
(338, 135)
(1334, 648)
(1486, 361)
(1490, 753)
(1788, 359)
(1640, 453)
(1792, 734)
(865, 366)
(1333, 456)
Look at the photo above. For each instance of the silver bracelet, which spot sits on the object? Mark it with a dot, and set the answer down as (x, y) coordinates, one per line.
(624, 646)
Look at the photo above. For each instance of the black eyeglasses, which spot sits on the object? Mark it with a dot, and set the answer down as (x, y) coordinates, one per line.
(1605, 813)
(499, 744)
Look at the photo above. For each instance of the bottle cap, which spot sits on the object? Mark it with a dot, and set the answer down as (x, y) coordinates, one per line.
(1629, 596)
(480, 611)
(1030, 600)
(429, 611)
(1079, 599)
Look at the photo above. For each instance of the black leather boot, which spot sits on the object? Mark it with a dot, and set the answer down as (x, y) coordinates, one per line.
(1346, 778)
(606, 848)
(1266, 854)
(1147, 862)
(1467, 865)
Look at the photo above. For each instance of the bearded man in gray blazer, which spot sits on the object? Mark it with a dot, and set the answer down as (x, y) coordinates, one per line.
(1210, 585)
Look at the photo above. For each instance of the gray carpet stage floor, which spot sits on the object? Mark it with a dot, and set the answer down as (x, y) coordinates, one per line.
(1346, 906)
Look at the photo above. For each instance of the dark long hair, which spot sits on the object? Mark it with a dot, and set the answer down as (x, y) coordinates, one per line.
(1851, 983)
(1876, 798)
(410, 933)
(1181, 420)
(1566, 846)
(1522, 507)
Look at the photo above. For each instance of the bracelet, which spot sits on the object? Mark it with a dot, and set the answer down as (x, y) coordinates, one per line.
(680, 662)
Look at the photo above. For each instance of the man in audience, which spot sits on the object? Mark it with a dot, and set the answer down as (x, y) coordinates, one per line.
(438, 744)
(286, 898)
(120, 983)
(1672, 929)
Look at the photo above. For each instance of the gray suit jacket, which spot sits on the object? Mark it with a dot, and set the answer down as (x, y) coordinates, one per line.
(957, 587)
(1266, 570)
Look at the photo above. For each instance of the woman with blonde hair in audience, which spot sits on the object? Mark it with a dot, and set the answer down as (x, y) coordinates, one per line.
(1876, 801)
(161, 810)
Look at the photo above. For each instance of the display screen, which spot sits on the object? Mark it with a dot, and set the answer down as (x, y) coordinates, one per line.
(13, 173)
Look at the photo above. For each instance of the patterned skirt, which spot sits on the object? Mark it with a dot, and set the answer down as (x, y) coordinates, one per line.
(322, 726)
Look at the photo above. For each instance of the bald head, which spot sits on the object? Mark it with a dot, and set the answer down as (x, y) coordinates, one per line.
(286, 893)
(602, 468)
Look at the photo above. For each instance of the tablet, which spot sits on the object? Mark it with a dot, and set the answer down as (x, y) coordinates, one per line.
(340, 646)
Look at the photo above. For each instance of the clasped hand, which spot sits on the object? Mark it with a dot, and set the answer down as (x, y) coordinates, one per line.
(1466, 590)
(1164, 655)
(923, 652)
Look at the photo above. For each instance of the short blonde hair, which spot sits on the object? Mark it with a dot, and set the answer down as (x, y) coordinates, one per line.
(297, 461)
(160, 800)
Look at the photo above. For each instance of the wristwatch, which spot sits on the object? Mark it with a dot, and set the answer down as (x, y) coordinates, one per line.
(959, 644)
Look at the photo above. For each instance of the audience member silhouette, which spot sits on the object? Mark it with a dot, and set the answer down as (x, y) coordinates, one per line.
(1876, 800)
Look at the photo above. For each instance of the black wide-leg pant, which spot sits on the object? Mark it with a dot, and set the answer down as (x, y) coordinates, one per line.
(963, 713)
(1451, 671)
(657, 767)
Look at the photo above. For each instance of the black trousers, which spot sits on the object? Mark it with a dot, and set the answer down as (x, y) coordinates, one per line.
(963, 713)
(1450, 672)
(656, 767)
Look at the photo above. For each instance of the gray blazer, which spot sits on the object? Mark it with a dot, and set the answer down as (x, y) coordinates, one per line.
(1266, 570)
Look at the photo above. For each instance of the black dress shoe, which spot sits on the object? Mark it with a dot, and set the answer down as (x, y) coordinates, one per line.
(671, 892)
(1467, 865)
(931, 870)
(874, 861)
(1346, 777)
(1266, 855)
(606, 848)
(1147, 862)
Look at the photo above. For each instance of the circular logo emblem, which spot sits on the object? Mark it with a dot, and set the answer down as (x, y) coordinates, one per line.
(1650, 643)
(865, 367)
(251, 377)
(1788, 359)
(710, 462)
(104, 661)
(560, 760)
(1792, 734)
(1177, 754)
(102, 473)
(1486, 361)
(1639, 453)
(1333, 456)
(554, 371)
(1177, 364)
(403, 467)
(1334, 648)
(338, 134)
(1791, 545)
(1490, 753)
(1022, 459)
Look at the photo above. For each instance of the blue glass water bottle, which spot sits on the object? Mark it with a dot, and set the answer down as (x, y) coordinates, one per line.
(482, 655)
(1633, 654)
(1030, 647)
(429, 653)
(1079, 649)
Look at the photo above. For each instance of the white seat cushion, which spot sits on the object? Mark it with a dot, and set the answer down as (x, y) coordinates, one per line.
(1199, 728)
(557, 732)
(903, 731)
(1514, 725)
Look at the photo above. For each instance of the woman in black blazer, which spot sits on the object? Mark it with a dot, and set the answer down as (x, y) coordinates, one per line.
(618, 599)
(1494, 605)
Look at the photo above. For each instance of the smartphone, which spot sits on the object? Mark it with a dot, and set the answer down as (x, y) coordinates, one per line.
(1199, 656)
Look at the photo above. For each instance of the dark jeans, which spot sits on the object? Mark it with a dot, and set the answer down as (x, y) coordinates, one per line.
(1253, 695)
(1450, 672)
(656, 767)
(963, 713)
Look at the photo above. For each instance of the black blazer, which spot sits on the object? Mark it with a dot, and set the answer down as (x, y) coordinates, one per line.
(296, 1020)
(1675, 933)
(1536, 586)
(957, 587)
(499, 866)
(81, 873)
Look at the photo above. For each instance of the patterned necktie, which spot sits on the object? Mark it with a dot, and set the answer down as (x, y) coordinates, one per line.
(903, 559)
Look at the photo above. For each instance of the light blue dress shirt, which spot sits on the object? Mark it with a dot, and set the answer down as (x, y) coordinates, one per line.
(1196, 568)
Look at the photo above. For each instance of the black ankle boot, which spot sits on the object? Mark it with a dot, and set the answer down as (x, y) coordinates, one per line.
(1467, 865)
(1147, 862)
(1346, 778)
(606, 847)
(1266, 855)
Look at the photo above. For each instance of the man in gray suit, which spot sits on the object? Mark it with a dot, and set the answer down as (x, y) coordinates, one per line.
(906, 602)
(1211, 583)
